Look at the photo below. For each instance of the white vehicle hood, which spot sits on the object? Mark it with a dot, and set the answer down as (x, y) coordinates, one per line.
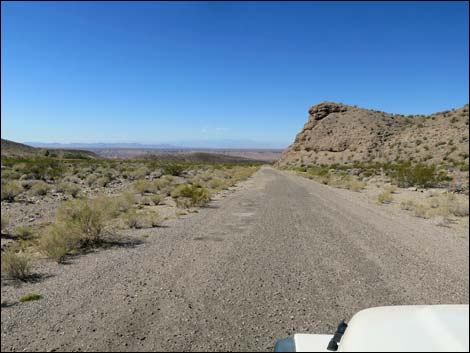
(418, 328)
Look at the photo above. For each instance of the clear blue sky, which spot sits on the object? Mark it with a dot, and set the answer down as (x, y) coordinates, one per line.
(171, 72)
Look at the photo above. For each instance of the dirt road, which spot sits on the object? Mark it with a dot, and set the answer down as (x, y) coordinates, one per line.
(280, 255)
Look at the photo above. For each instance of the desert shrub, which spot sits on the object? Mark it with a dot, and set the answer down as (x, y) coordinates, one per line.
(173, 169)
(143, 186)
(39, 188)
(69, 188)
(58, 240)
(407, 205)
(10, 175)
(122, 203)
(459, 209)
(71, 155)
(24, 232)
(198, 195)
(43, 168)
(137, 220)
(156, 199)
(384, 197)
(91, 179)
(183, 202)
(15, 266)
(146, 201)
(30, 297)
(131, 218)
(10, 190)
(421, 211)
(138, 173)
(162, 183)
(356, 185)
(406, 175)
(102, 181)
(87, 218)
(27, 184)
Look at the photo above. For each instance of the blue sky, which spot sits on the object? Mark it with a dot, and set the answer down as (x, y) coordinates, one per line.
(210, 72)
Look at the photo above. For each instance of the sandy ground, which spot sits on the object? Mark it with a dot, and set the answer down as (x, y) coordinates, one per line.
(281, 254)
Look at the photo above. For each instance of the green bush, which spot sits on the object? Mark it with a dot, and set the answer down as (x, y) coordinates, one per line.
(70, 155)
(197, 195)
(143, 186)
(30, 297)
(173, 169)
(406, 175)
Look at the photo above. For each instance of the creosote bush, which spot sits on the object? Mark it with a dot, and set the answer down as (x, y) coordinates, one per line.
(58, 240)
(197, 195)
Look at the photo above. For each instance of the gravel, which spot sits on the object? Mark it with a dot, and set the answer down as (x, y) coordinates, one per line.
(281, 254)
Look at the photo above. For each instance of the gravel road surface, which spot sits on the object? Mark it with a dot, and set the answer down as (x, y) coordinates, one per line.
(281, 254)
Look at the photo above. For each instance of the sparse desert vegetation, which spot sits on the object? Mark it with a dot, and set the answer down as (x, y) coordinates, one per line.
(404, 185)
(59, 206)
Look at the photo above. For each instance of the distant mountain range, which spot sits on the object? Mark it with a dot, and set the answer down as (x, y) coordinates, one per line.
(98, 145)
(215, 144)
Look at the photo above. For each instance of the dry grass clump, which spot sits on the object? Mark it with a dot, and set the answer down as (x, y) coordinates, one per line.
(391, 189)
(15, 266)
(421, 211)
(356, 185)
(407, 205)
(445, 205)
(10, 190)
(138, 220)
(384, 197)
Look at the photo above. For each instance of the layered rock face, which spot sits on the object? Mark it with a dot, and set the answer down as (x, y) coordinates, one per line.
(342, 134)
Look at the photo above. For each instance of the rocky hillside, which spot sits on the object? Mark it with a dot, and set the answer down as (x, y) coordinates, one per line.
(342, 134)
(15, 149)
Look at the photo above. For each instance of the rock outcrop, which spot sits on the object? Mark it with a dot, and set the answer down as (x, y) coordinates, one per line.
(342, 134)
